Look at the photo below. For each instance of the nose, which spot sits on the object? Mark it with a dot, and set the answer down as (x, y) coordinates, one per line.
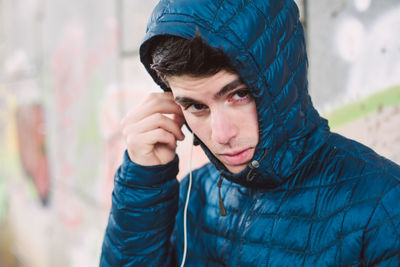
(223, 127)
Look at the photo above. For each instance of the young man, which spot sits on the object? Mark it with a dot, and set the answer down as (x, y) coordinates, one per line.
(281, 189)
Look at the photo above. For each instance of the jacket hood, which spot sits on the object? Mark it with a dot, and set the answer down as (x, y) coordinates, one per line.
(264, 40)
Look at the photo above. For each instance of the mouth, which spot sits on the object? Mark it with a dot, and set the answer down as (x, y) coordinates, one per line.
(238, 157)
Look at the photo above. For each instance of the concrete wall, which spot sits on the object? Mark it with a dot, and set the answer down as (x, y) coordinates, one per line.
(69, 71)
(354, 49)
(59, 63)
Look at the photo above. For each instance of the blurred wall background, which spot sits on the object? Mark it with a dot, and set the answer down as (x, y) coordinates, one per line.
(354, 49)
(69, 71)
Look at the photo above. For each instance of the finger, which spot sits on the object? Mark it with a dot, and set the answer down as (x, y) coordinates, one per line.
(157, 136)
(153, 122)
(138, 115)
(154, 103)
(179, 119)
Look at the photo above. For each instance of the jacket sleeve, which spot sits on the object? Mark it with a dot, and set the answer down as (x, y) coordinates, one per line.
(142, 216)
(382, 238)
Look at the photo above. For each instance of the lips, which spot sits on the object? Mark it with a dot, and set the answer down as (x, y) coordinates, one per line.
(237, 157)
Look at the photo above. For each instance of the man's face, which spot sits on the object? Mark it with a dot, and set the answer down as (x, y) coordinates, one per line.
(222, 113)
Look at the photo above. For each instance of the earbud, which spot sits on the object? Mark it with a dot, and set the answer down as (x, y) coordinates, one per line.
(196, 141)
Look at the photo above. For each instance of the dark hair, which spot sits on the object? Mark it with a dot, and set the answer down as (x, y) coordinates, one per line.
(175, 56)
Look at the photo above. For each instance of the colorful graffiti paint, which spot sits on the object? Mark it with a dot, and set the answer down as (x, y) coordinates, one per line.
(32, 147)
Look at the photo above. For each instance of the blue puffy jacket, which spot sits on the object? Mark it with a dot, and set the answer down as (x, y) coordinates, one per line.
(311, 198)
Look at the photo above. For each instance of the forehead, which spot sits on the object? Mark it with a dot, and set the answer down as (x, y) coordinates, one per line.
(186, 85)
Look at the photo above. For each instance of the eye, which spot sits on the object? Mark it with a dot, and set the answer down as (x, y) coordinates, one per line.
(195, 108)
(240, 95)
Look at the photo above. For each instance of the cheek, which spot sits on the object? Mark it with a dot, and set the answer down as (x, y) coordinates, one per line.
(249, 120)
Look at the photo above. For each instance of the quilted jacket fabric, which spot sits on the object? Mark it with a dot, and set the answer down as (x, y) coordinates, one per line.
(316, 198)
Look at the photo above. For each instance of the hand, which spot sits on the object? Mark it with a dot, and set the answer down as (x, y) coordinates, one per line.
(150, 135)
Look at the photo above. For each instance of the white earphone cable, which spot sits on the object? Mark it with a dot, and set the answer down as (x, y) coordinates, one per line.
(186, 206)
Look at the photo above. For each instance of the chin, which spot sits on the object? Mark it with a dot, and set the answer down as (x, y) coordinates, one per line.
(236, 169)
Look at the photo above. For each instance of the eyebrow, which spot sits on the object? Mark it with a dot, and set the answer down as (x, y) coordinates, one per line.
(228, 88)
(224, 90)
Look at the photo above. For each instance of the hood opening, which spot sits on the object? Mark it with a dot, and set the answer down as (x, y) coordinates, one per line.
(264, 40)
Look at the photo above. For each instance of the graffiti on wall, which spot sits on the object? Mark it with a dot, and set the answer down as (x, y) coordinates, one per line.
(32, 147)
(23, 129)
(76, 93)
